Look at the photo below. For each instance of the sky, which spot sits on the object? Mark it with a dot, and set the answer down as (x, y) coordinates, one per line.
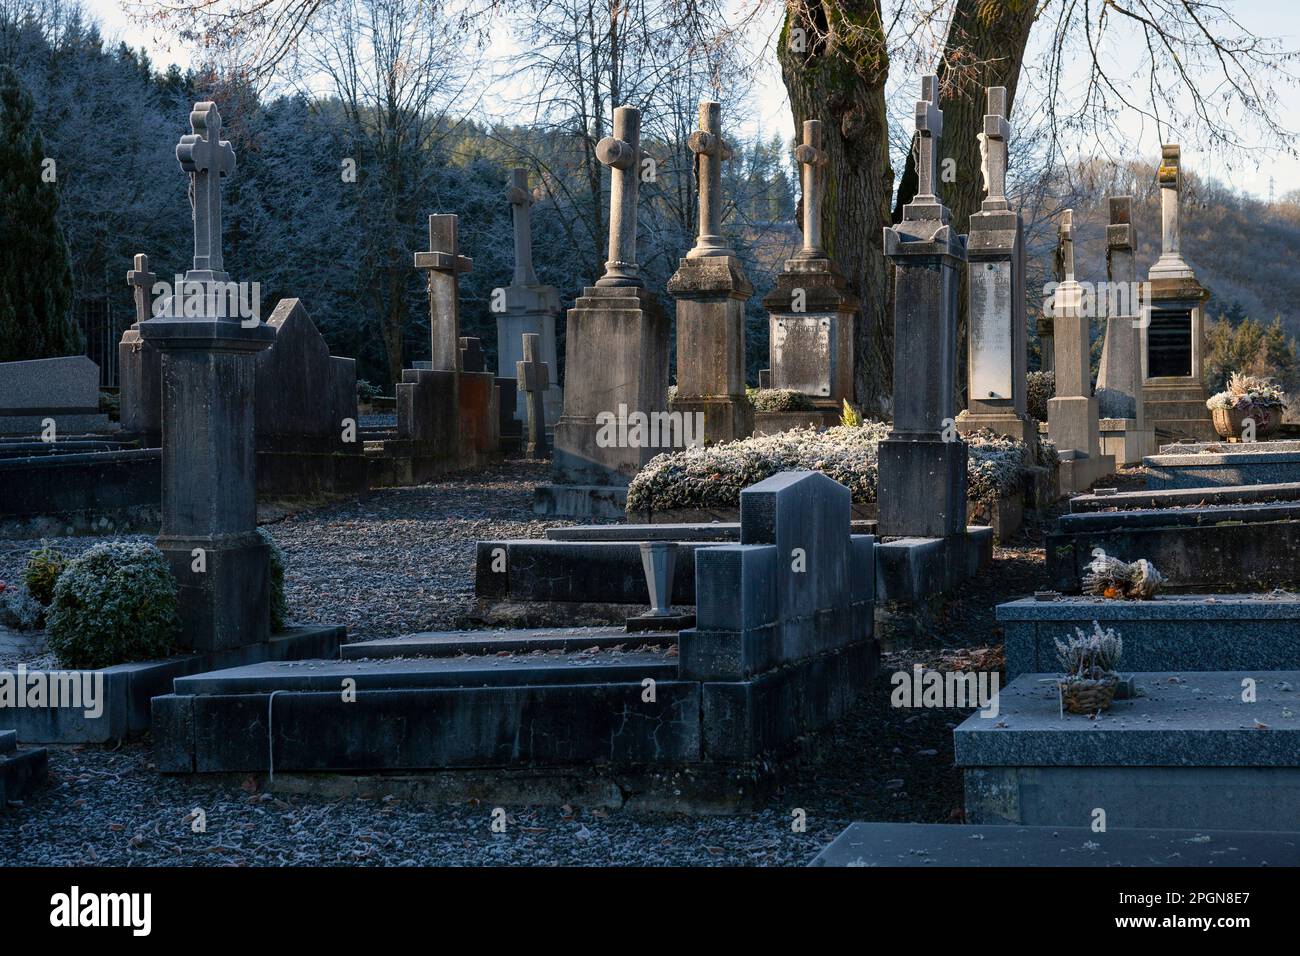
(769, 109)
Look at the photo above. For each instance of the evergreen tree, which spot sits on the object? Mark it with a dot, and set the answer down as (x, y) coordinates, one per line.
(35, 275)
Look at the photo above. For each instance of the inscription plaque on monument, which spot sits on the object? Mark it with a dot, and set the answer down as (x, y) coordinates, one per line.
(1169, 344)
(991, 330)
(803, 354)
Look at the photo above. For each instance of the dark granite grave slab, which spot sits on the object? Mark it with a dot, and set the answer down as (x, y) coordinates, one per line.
(1187, 751)
(1253, 464)
(941, 845)
(453, 643)
(1185, 497)
(1197, 632)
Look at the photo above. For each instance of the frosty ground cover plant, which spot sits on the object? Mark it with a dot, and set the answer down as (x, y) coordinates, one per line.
(113, 604)
(279, 606)
(712, 476)
(778, 400)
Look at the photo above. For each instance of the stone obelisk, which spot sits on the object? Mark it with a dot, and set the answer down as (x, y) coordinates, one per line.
(921, 485)
(209, 495)
(526, 306)
(616, 370)
(996, 333)
(711, 290)
(812, 311)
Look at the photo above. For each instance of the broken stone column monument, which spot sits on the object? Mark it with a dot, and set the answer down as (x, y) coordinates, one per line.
(1173, 331)
(1124, 432)
(921, 484)
(1072, 414)
(616, 377)
(711, 290)
(209, 495)
(997, 331)
(534, 378)
(812, 311)
(526, 306)
(139, 368)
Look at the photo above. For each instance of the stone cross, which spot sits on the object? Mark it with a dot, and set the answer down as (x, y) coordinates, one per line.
(141, 281)
(1065, 240)
(444, 263)
(993, 149)
(622, 153)
(711, 151)
(206, 157)
(812, 161)
(534, 379)
(929, 130)
(520, 199)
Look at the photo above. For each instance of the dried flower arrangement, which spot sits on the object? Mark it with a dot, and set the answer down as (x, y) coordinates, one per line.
(1110, 577)
(1088, 665)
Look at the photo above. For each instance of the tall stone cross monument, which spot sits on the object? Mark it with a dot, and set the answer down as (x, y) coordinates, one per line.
(209, 481)
(996, 333)
(616, 365)
(811, 310)
(711, 290)
(139, 369)
(1174, 324)
(922, 473)
(1072, 414)
(526, 306)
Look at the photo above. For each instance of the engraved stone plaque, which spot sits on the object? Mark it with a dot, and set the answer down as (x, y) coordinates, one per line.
(990, 319)
(1169, 344)
(803, 353)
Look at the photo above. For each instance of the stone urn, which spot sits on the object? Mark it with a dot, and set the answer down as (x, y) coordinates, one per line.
(1229, 422)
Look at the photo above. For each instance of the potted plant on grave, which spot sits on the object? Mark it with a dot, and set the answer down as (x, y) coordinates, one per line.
(1088, 662)
(1247, 397)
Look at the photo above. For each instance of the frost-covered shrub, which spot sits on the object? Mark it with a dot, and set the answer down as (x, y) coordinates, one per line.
(19, 610)
(44, 565)
(712, 476)
(279, 605)
(1112, 403)
(1039, 387)
(1046, 454)
(114, 604)
(778, 400)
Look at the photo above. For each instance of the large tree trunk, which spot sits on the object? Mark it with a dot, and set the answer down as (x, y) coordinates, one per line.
(839, 78)
(986, 42)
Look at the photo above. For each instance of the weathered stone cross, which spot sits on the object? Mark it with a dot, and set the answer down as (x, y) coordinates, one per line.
(206, 157)
(812, 159)
(520, 199)
(710, 152)
(444, 264)
(622, 153)
(929, 130)
(993, 150)
(1065, 236)
(141, 281)
(534, 379)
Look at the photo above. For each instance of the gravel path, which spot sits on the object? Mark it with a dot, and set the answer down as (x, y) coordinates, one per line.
(402, 560)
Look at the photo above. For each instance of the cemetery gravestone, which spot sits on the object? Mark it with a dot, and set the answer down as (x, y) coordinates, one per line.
(529, 307)
(1174, 325)
(140, 367)
(533, 377)
(209, 525)
(617, 356)
(62, 390)
(996, 280)
(1072, 414)
(812, 311)
(1124, 433)
(922, 472)
(711, 290)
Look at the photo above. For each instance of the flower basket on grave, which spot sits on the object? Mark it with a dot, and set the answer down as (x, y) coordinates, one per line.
(1247, 398)
(1088, 696)
(1089, 661)
(1109, 577)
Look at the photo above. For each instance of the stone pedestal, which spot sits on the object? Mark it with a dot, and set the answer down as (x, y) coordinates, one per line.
(617, 369)
(139, 375)
(209, 477)
(711, 293)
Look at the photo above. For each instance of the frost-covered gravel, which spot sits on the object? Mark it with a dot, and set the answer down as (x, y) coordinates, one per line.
(402, 560)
